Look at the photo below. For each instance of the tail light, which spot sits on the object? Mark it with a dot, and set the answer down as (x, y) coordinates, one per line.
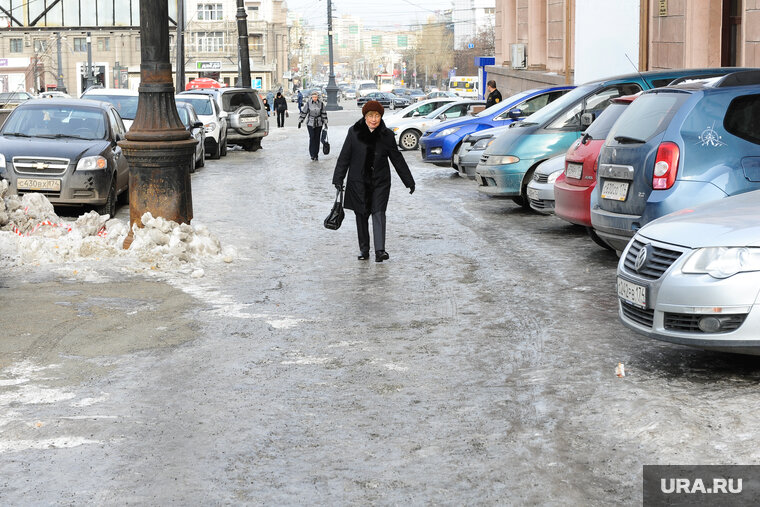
(665, 166)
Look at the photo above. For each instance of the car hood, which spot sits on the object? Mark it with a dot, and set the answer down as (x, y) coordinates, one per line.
(72, 149)
(506, 143)
(455, 122)
(551, 165)
(726, 222)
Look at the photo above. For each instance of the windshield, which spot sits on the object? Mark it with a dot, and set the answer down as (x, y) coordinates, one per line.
(499, 106)
(232, 101)
(126, 105)
(440, 110)
(602, 125)
(201, 106)
(56, 121)
(367, 86)
(547, 112)
(648, 116)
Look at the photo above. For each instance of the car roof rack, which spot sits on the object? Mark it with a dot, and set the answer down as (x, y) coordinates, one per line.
(741, 78)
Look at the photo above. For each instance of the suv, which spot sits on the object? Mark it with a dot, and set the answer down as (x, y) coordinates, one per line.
(247, 119)
(124, 100)
(213, 118)
(14, 98)
(675, 148)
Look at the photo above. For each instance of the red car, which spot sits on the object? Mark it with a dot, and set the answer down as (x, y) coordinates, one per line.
(572, 190)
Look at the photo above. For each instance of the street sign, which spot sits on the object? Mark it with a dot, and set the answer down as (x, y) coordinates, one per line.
(208, 65)
(470, 46)
(256, 83)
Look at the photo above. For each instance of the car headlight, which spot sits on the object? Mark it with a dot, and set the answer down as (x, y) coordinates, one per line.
(448, 131)
(210, 127)
(722, 262)
(502, 160)
(553, 176)
(482, 144)
(92, 163)
(2, 162)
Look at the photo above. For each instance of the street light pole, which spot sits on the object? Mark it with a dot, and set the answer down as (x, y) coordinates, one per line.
(60, 86)
(89, 61)
(244, 79)
(180, 65)
(158, 148)
(331, 88)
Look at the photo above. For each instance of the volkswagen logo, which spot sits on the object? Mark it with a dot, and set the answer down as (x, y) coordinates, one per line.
(641, 258)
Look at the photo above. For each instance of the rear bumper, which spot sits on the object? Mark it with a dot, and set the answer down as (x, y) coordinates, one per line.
(573, 203)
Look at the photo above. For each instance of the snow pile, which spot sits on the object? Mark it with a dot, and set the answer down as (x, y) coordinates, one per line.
(31, 233)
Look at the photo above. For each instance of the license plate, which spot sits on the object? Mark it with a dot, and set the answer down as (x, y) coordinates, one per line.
(632, 293)
(38, 184)
(248, 119)
(574, 170)
(615, 190)
(533, 194)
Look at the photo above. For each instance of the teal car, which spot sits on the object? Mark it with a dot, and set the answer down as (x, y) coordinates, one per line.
(507, 165)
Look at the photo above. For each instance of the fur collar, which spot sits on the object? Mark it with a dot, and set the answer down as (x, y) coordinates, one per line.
(363, 133)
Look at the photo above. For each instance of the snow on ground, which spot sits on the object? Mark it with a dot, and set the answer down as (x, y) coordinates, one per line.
(32, 233)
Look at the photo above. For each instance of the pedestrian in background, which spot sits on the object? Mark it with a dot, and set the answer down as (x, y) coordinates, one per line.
(299, 99)
(280, 108)
(494, 95)
(315, 115)
(266, 106)
(364, 156)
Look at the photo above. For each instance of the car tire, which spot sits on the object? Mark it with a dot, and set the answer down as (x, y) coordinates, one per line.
(393, 105)
(217, 154)
(251, 144)
(224, 147)
(246, 111)
(596, 239)
(409, 140)
(202, 161)
(524, 201)
(109, 207)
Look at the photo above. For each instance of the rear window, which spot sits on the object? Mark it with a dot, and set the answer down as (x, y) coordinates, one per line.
(126, 105)
(233, 101)
(202, 106)
(743, 118)
(602, 125)
(648, 115)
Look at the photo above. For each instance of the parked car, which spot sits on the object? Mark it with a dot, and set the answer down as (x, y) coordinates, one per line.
(467, 157)
(401, 92)
(65, 149)
(439, 143)
(409, 130)
(508, 164)
(674, 148)
(125, 101)
(541, 188)
(573, 189)
(247, 121)
(436, 94)
(365, 87)
(417, 95)
(415, 109)
(693, 277)
(349, 93)
(387, 100)
(14, 98)
(214, 121)
(54, 95)
(195, 126)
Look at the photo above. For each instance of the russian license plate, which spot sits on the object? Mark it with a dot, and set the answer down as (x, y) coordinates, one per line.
(533, 194)
(632, 293)
(574, 170)
(615, 190)
(38, 184)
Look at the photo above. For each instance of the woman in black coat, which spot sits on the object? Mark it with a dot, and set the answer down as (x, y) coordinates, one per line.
(280, 107)
(364, 156)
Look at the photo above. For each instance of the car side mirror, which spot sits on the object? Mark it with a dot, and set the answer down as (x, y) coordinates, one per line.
(442, 117)
(587, 119)
(416, 113)
(515, 114)
(197, 125)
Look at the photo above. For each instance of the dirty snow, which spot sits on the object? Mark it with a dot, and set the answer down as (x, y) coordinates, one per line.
(31, 233)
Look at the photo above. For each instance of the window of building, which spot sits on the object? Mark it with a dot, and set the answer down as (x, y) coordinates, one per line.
(209, 42)
(104, 43)
(40, 45)
(210, 12)
(80, 44)
(16, 45)
(253, 12)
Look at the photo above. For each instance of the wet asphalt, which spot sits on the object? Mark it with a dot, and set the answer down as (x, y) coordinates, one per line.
(475, 366)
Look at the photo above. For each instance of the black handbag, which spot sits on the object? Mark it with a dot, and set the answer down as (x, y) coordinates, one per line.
(325, 143)
(335, 218)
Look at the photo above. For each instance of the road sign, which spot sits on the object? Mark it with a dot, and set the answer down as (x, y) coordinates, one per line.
(200, 65)
(470, 46)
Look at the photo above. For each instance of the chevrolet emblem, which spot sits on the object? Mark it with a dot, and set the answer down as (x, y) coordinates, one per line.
(41, 166)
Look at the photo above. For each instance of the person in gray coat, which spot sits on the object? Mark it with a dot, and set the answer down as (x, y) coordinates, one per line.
(314, 113)
(364, 156)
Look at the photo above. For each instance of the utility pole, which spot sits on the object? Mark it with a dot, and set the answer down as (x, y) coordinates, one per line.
(60, 86)
(244, 79)
(89, 61)
(331, 88)
(180, 45)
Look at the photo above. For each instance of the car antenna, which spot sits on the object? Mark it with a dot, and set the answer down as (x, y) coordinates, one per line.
(634, 66)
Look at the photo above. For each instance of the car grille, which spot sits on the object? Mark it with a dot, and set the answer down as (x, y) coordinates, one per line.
(541, 178)
(658, 260)
(689, 322)
(541, 204)
(638, 315)
(40, 166)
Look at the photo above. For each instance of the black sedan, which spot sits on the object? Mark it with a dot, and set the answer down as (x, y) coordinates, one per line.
(65, 149)
(388, 100)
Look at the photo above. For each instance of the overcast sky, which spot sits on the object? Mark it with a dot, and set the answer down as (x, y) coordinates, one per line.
(390, 14)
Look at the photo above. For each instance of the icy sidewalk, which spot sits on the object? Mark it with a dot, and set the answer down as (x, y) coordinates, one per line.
(31, 233)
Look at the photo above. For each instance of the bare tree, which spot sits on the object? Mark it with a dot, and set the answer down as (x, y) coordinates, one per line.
(435, 51)
(464, 59)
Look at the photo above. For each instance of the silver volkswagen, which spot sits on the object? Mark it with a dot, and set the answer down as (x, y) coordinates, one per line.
(693, 277)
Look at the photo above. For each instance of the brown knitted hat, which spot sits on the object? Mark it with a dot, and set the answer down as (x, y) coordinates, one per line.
(372, 105)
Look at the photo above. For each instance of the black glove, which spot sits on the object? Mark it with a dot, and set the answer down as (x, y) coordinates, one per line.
(411, 189)
(299, 124)
(338, 187)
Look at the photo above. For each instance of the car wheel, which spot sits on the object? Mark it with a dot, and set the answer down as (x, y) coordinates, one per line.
(217, 154)
(393, 105)
(524, 201)
(224, 147)
(596, 239)
(202, 161)
(245, 111)
(109, 207)
(409, 140)
(252, 144)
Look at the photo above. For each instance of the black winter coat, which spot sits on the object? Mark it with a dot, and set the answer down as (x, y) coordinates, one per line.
(369, 177)
(280, 104)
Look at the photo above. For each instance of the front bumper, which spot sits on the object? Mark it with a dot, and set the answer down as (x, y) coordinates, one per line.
(435, 150)
(502, 180)
(541, 197)
(676, 302)
(77, 187)
(466, 161)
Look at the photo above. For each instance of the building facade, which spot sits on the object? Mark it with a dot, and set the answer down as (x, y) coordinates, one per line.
(470, 18)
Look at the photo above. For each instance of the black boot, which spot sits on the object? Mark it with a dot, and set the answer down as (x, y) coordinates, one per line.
(381, 255)
(363, 256)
